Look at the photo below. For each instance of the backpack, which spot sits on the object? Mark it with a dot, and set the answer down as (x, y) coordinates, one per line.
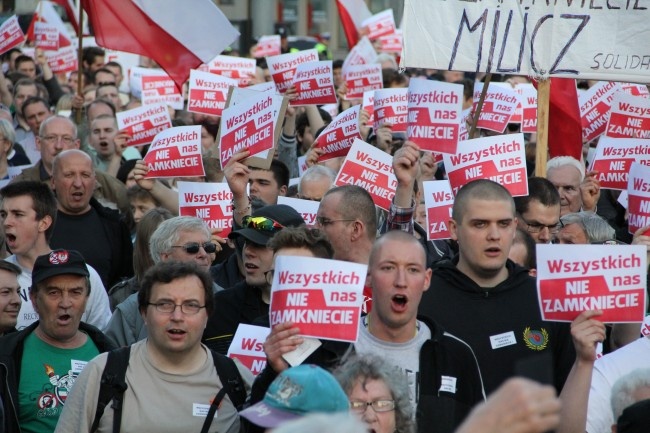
(113, 385)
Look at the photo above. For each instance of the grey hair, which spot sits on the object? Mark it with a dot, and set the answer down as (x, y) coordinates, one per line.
(594, 226)
(317, 172)
(385, 57)
(322, 423)
(168, 232)
(7, 131)
(41, 129)
(561, 161)
(624, 388)
(362, 368)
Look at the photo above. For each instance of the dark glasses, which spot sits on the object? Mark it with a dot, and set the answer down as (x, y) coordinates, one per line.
(261, 223)
(193, 247)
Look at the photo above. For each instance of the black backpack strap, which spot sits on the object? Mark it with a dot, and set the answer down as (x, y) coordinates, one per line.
(112, 387)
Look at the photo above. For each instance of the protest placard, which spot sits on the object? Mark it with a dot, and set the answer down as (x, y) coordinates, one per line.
(268, 45)
(528, 98)
(434, 115)
(362, 78)
(379, 25)
(594, 108)
(635, 89)
(302, 165)
(46, 35)
(614, 157)
(158, 87)
(391, 44)
(371, 169)
(465, 120)
(575, 278)
(283, 67)
(320, 296)
(499, 106)
(501, 158)
(629, 116)
(391, 106)
(237, 68)
(331, 109)
(338, 136)
(582, 40)
(438, 200)
(247, 346)
(638, 197)
(368, 104)
(306, 208)
(208, 92)
(63, 60)
(11, 35)
(176, 152)
(361, 54)
(314, 84)
(143, 123)
(209, 201)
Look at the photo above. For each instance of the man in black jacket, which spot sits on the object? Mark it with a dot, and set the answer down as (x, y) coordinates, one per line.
(39, 364)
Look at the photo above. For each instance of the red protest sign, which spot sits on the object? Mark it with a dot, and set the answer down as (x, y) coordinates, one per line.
(63, 60)
(575, 278)
(176, 152)
(323, 298)
(209, 201)
(500, 158)
(267, 46)
(362, 78)
(594, 108)
(528, 107)
(338, 136)
(378, 25)
(391, 106)
(629, 117)
(638, 200)
(499, 106)
(283, 67)
(368, 104)
(47, 36)
(434, 111)
(248, 347)
(614, 157)
(11, 35)
(208, 92)
(372, 169)
(391, 44)
(160, 89)
(361, 54)
(238, 68)
(314, 84)
(439, 201)
(143, 123)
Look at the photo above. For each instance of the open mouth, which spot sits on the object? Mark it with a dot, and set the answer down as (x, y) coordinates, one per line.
(399, 302)
(494, 251)
(65, 318)
(10, 237)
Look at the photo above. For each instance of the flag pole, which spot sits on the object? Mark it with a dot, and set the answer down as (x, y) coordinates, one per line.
(79, 61)
(479, 106)
(543, 98)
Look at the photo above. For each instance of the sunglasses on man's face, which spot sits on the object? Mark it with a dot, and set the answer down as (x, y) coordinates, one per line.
(193, 247)
(262, 224)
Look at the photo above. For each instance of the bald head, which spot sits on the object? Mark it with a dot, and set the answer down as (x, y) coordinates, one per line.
(396, 236)
(481, 189)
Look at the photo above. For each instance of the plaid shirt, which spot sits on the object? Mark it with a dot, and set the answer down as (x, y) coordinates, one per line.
(400, 218)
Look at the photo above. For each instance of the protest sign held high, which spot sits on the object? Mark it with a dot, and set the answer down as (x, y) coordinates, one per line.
(212, 202)
(638, 200)
(338, 136)
(614, 157)
(438, 200)
(176, 152)
(208, 92)
(143, 123)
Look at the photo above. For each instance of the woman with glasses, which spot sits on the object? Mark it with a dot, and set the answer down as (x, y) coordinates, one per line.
(378, 394)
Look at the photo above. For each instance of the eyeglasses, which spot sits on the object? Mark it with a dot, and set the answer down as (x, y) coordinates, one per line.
(262, 224)
(607, 242)
(193, 247)
(377, 405)
(326, 221)
(536, 227)
(65, 139)
(269, 276)
(187, 308)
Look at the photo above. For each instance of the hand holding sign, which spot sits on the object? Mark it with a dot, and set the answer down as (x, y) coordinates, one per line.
(590, 191)
(283, 339)
(587, 332)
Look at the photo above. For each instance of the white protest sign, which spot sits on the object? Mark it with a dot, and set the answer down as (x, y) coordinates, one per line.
(528, 98)
(209, 201)
(143, 123)
(314, 84)
(302, 166)
(208, 92)
(11, 35)
(465, 117)
(614, 157)
(391, 44)
(434, 115)
(135, 80)
(238, 68)
(306, 208)
(247, 346)
(500, 158)
(379, 25)
(438, 200)
(338, 136)
(574, 39)
(635, 89)
(391, 106)
(361, 54)
(638, 197)
(368, 104)
(498, 107)
(629, 116)
(371, 169)
(266, 46)
(63, 60)
(283, 67)
(362, 78)
(575, 278)
(46, 35)
(176, 152)
(158, 87)
(594, 108)
(322, 297)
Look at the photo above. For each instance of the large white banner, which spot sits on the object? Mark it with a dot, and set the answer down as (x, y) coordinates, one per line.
(595, 39)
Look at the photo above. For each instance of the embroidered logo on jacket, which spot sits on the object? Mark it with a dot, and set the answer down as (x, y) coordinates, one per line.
(536, 339)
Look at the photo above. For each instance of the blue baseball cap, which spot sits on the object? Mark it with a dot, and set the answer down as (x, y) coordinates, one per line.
(296, 392)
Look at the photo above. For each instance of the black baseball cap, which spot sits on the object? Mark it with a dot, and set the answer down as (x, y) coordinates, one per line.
(635, 418)
(265, 222)
(58, 262)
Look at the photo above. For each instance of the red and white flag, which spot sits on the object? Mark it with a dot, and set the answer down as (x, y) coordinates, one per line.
(45, 12)
(72, 12)
(156, 29)
(352, 13)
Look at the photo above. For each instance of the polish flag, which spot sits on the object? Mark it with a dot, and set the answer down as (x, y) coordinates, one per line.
(179, 36)
(352, 13)
(71, 10)
(45, 12)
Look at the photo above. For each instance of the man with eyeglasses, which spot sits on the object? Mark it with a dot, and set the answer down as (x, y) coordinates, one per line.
(315, 182)
(538, 213)
(178, 377)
